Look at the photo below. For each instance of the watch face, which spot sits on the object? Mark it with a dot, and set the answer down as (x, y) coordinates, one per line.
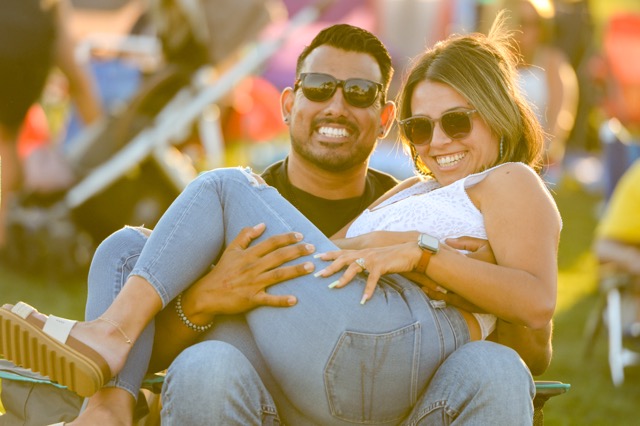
(427, 242)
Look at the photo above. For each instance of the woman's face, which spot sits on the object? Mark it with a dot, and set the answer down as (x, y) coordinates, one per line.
(452, 159)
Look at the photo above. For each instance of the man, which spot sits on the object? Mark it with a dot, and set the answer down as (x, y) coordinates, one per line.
(326, 176)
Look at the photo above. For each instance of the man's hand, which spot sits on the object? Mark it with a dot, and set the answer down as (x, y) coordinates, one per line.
(238, 281)
(435, 292)
(236, 284)
(477, 248)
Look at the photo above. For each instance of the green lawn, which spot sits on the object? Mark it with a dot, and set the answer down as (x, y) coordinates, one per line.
(592, 399)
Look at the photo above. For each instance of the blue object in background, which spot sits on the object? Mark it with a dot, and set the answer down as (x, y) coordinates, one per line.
(117, 80)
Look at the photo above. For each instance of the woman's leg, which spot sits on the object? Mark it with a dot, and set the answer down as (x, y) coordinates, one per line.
(328, 345)
(334, 358)
(112, 262)
(189, 237)
(111, 265)
(322, 351)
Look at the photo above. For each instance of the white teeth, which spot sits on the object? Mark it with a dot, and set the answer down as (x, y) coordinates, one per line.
(332, 132)
(449, 160)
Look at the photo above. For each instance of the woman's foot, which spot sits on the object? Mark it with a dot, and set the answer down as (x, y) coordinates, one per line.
(108, 407)
(82, 356)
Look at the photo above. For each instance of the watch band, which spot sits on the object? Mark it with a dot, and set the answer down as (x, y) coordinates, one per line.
(424, 261)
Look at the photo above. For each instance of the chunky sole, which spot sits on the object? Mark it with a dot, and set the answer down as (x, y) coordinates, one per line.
(71, 364)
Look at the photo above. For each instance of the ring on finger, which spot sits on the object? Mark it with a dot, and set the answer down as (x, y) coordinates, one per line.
(361, 263)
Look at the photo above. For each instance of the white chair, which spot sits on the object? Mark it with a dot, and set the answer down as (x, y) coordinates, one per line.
(615, 311)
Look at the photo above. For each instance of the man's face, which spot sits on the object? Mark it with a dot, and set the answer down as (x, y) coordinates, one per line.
(334, 135)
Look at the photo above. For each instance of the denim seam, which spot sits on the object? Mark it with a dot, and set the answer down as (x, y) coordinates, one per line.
(451, 413)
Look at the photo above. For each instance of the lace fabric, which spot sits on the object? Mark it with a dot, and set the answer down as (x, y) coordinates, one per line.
(441, 211)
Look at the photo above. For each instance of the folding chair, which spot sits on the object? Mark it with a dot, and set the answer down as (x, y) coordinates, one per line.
(36, 393)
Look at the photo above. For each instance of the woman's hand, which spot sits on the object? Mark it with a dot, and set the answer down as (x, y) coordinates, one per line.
(375, 261)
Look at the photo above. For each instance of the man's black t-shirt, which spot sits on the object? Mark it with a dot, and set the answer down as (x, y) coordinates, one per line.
(328, 215)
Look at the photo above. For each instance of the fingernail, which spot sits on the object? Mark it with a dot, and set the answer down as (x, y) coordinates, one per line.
(363, 300)
(291, 301)
(317, 256)
(441, 290)
(308, 266)
(258, 226)
(333, 284)
(310, 247)
(298, 236)
(319, 273)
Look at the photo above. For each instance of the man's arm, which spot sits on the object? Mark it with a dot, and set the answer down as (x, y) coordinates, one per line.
(533, 346)
(236, 284)
(624, 255)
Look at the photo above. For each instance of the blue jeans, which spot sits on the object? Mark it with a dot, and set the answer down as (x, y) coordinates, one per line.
(335, 360)
(212, 382)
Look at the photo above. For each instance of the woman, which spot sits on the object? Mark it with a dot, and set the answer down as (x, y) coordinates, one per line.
(461, 115)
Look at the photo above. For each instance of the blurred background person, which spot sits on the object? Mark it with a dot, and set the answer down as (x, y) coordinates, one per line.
(617, 237)
(546, 76)
(35, 39)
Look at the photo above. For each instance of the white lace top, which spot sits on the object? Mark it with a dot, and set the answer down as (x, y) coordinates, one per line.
(443, 212)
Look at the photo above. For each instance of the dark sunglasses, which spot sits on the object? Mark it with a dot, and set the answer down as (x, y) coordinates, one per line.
(318, 87)
(455, 124)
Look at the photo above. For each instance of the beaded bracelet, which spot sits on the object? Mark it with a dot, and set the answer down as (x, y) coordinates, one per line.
(185, 320)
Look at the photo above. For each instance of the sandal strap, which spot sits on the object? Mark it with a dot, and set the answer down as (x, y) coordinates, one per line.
(23, 310)
(58, 328)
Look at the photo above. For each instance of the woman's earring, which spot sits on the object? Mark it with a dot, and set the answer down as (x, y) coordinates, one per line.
(285, 119)
(501, 147)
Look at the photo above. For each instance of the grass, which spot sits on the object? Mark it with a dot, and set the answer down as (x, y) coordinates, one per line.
(592, 399)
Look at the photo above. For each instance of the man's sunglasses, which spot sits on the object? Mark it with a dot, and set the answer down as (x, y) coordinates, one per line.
(419, 130)
(320, 87)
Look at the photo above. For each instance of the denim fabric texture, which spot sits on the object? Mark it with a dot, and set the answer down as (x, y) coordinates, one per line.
(334, 360)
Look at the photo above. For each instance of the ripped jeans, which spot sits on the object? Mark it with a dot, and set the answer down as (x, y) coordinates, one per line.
(335, 360)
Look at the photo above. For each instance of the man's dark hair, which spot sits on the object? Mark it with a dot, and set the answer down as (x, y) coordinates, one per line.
(352, 39)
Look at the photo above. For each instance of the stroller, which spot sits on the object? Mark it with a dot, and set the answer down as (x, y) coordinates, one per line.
(128, 169)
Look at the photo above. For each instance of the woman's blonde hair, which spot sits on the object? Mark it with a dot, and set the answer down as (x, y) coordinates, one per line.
(481, 68)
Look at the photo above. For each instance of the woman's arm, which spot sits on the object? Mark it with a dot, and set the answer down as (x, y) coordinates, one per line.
(523, 226)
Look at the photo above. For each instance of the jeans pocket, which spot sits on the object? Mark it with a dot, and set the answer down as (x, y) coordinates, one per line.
(372, 378)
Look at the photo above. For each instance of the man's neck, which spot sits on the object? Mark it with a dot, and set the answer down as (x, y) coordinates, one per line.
(325, 184)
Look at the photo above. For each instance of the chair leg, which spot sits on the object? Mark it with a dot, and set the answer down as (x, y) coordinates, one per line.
(614, 319)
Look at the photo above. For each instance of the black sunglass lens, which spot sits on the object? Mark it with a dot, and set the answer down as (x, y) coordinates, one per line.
(456, 124)
(360, 93)
(419, 131)
(318, 87)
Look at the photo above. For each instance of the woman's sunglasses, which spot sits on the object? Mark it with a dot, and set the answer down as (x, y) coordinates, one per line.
(419, 130)
(320, 87)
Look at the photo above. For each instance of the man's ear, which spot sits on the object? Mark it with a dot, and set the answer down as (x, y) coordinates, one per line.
(387, 118)
(287, 98)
